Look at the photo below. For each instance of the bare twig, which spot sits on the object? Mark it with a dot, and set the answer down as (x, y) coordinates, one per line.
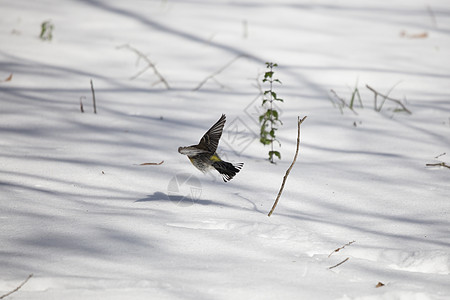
(340, 248)
(441, 164)
(442, 154)
(81, 103)
(152, 164)
(17, 288)
(211, 76)
(337, 265)
(385, 97)
(93, 97)
(299, 122)
(150, 65)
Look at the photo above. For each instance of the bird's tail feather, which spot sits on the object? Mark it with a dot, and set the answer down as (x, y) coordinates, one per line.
(227, 170)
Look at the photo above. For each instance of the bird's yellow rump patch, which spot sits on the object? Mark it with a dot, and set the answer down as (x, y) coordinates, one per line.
(215, 157)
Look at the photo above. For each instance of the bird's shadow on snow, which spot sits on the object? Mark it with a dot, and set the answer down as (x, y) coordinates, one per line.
(176, 199)
(186, 201)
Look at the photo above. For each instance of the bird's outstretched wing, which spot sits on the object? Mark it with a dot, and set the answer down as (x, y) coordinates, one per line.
(210, 139)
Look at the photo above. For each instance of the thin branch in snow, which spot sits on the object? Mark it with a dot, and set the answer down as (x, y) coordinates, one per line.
(442, 154)
(386, 97)
(81, 103)
(340, 248)
(299, 122)
(337, 265)
(441, 164)
(150, 65)
(93, 97)
(17, 288)
(212, 76)
(152, 164)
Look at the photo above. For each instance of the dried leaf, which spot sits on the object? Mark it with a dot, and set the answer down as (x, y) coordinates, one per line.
(422, 35)
(9, 77)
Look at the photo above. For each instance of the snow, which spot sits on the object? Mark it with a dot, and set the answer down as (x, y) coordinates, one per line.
(81, 214)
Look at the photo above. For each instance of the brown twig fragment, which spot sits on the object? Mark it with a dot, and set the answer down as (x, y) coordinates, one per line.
(17, 288)
(340, 248)
(421, 35)
(93, 97)
(337, 265)
(299, 122)
(386, 97)
(152, 164)
(9, 78)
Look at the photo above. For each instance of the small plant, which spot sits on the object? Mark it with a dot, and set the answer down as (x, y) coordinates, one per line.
(355, 94)
(341, 103)
(378, 107)
(269, 118)
(46, 31)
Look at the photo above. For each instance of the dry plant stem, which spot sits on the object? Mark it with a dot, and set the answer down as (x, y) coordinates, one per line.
(442, 164)
(442, 154)
(199, 86)
(150, 64)
(339, 263)
(152, 164)
(17, 288)
(339, 249)
(299, 122)
(81, 103)
(93, 97)
(385, 97)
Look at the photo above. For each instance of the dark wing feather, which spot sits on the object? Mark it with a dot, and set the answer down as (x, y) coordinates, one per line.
(210, 139)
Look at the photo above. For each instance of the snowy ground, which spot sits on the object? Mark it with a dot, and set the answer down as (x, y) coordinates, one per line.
(80, 214)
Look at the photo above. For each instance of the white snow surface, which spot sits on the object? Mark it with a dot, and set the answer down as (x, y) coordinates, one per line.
(79, 212)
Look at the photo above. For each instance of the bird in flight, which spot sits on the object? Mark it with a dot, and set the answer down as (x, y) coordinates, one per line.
(204, 157)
